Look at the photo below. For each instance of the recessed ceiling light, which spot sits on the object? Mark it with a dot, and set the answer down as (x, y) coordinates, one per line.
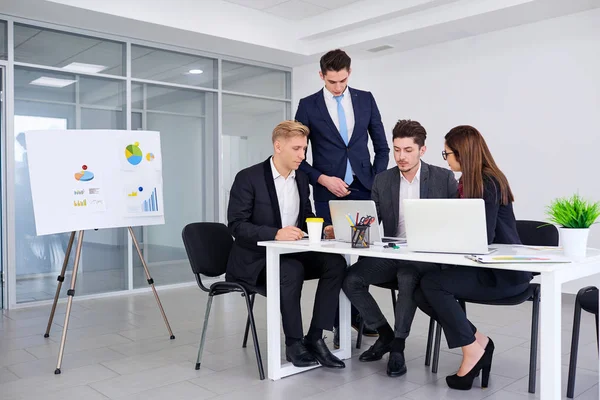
(195, 71)
(84, 68)
(52, 82)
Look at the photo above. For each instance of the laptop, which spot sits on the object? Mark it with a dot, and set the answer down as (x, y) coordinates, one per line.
(446, 226)
(340, 209)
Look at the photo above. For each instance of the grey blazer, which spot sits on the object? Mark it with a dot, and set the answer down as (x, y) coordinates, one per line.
(436, 183)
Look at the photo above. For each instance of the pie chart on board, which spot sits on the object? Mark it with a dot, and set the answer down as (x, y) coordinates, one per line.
(84, 175)
(134, 154)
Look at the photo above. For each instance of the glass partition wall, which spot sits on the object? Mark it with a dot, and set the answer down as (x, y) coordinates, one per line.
(215, 115)
(2, 194)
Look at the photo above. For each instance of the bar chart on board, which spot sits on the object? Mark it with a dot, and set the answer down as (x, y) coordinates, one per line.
(151, 205)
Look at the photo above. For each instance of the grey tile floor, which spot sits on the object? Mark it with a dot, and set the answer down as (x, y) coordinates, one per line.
(118, 348)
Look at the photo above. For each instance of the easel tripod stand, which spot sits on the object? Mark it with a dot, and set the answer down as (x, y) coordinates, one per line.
(71, 291)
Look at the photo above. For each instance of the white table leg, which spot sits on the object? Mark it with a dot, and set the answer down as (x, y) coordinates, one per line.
(273, 315)
(550, 371)
(345, 327)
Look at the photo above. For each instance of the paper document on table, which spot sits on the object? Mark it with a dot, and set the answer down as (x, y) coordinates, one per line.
(515, 259)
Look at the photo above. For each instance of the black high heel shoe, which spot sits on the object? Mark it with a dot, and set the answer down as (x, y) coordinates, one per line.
(489, 347)
(484, 365)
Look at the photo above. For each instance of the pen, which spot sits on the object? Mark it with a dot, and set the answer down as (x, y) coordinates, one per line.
(349, 220)
(353, 221)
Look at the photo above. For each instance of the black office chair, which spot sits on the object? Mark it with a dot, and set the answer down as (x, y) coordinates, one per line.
(533, 233)
(208, 246)
(587, 299)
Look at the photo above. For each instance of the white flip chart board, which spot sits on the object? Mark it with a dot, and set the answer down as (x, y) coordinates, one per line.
(94, 179)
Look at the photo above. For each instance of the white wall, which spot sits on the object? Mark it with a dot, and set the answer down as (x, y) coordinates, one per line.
(533, 91)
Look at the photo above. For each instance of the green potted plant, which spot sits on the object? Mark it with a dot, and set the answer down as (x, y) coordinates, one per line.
(575, 216)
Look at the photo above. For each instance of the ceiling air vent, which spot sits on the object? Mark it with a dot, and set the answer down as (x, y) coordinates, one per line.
(380, 48)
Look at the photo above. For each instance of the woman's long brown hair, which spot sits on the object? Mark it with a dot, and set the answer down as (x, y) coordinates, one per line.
(476, 163)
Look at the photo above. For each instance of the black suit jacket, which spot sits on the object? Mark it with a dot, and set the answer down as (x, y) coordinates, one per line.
(501, 229)
(501, 222)
(329, 152)
(253, 215)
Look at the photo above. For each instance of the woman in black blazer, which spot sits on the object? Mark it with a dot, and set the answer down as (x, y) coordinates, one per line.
(466, 152)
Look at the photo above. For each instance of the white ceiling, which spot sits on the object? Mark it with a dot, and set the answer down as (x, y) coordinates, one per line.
(294, 32)
(293, 9)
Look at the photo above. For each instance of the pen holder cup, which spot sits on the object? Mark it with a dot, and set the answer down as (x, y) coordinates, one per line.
(360, 236)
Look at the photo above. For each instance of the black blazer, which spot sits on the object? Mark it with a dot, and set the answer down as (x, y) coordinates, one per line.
(329, 152)
(253, 215)
(501, 229)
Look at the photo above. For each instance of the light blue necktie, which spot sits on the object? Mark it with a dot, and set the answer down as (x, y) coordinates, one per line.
(344, 133)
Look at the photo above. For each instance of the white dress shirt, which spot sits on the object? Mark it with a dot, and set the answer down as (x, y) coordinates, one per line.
(331, 104)
(408, 190)
(287, 196)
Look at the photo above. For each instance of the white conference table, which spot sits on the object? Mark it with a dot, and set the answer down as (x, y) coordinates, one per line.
(552, 276)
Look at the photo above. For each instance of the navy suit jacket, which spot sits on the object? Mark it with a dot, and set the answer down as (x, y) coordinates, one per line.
(330, 153)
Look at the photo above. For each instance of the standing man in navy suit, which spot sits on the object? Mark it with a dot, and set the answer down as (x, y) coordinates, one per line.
(340, 120)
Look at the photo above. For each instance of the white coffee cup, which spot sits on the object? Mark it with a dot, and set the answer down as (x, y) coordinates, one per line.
(315, 229)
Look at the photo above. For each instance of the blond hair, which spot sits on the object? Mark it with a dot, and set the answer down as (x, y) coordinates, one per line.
(288, 129)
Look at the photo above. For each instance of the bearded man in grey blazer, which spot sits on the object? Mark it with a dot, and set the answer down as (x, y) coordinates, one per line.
(411, 178)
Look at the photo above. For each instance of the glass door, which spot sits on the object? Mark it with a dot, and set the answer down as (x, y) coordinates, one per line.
(185, 119)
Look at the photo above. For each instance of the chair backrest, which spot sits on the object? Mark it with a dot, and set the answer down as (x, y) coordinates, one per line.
(588, 298)
(537, 233)
(208, 245)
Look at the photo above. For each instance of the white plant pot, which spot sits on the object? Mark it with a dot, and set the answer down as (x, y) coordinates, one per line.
(574, 241)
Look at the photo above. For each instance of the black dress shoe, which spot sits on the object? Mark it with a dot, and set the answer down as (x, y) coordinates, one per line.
(299, 355)
(320, 351)
(396, 365)
(376, 352)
